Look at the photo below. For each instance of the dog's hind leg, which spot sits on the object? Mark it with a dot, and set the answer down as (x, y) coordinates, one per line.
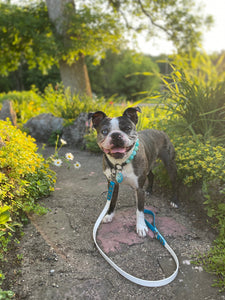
(150, 177)
(110, 214)
(167, 155)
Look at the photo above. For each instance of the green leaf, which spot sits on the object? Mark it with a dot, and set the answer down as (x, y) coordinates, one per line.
(4, 215)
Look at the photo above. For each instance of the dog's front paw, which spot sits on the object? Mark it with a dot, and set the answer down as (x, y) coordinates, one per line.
(142, 230)
(173, 204)
(108, 218)
(141, 227)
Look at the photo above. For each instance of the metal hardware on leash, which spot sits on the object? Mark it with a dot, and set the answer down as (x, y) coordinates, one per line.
(147, 283)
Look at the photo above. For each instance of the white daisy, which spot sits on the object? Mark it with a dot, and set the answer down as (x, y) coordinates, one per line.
(77, 165)
(57, 162)
(69, 156)
(63, 142)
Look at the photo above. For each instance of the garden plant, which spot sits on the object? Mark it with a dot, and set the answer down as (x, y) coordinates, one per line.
(25, 177)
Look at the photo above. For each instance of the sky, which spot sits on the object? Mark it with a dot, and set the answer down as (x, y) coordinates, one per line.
(213, 40)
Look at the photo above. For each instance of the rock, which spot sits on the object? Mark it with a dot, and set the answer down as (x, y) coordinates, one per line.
(74, 134)
(41, 127)
(7, 111)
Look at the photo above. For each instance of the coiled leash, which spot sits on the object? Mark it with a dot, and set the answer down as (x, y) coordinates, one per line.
(147, 283)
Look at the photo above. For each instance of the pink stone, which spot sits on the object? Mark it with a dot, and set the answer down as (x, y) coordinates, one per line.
(122, 230)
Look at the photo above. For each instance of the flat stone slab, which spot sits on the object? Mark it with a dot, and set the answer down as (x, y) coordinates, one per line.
(122, 230)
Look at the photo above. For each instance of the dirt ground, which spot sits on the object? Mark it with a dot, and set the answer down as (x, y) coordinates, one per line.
(61, 262)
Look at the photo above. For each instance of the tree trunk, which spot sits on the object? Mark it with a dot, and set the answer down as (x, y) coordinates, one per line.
(74, 76)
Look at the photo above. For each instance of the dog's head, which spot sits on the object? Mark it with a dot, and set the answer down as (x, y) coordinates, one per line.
(116, 136)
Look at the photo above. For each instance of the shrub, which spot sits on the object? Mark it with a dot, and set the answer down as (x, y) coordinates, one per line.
(27, 104)
(199, 161)
(63, 104)
(117, 74)
(24, 178)
(56, 101)
(196, 93)
(214, 262)
(24, 175)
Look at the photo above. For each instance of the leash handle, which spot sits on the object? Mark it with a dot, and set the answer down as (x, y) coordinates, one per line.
(146, 283)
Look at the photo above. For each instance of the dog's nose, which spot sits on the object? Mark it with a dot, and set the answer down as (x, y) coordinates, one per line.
(117, 136)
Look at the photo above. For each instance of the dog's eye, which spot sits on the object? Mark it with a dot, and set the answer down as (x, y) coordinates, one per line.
(105, 131)
(127, 129)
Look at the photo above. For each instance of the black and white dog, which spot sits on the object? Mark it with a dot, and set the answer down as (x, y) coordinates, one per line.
(129, 157)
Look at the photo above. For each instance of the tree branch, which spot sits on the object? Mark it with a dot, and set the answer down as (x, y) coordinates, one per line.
(150, 18)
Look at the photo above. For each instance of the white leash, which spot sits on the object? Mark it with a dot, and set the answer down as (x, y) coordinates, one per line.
(147, 283)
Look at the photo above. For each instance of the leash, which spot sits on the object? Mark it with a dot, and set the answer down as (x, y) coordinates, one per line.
(147, 283)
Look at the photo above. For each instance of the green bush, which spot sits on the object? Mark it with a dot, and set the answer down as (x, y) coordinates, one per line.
(56, 101)
(196, 94)
(24, 178)
(214, 262)
(24, 175)
(121, 75)
(27, 104)
(63, 104)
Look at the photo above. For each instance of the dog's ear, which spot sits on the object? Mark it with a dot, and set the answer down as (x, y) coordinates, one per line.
(131, 113)
(97, 117)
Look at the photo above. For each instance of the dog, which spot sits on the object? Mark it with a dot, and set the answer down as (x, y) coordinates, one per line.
(129, 157)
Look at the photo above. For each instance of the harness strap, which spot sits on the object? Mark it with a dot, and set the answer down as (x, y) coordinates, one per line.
(147, 283)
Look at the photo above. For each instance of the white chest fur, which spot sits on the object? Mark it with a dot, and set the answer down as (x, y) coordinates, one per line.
(128, 175)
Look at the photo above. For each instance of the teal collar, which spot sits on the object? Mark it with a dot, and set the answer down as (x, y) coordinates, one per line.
(134, 152)
(117, 171)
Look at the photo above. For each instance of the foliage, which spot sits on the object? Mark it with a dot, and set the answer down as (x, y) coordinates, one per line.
(6, 295)
(91, 143)
(28, 36)
(24, 175)
(56, 100)
(90, 31)
(180, 21)
(63, 104)
(24, 178)
(214, 263)
(27, 104)
(121, 75)
(4, 216)
(196, 90)
(194, 99)
(105, 77)
(199, 161)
